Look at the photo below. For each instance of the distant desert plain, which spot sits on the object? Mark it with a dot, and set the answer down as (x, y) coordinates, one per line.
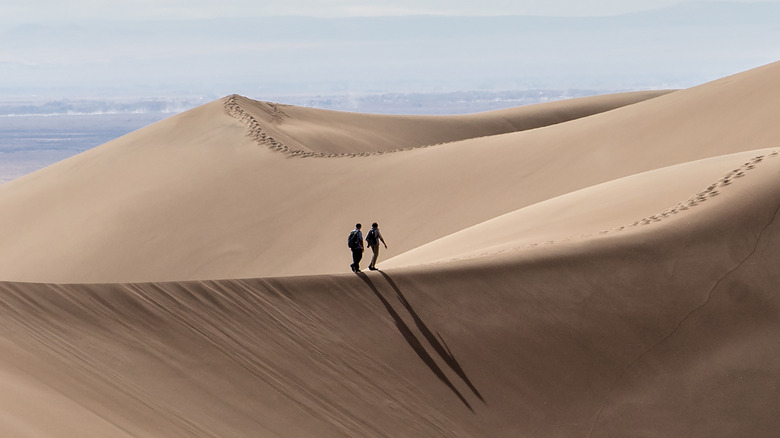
(603, 266)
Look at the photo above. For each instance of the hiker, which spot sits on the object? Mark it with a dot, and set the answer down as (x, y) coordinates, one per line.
(355, 243)
(372, 239)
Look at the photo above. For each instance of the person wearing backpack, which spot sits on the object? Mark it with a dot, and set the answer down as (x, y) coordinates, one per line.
(355, 243)
(372, 239)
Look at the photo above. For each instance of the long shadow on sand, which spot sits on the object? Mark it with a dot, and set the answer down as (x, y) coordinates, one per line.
(417, 346)
(440, 347)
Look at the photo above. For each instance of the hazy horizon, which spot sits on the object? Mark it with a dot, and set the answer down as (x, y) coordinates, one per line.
(90, 63)
(96, 52)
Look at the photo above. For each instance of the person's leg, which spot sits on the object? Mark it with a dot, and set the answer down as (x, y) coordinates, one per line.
(357, 255)
(375, 249)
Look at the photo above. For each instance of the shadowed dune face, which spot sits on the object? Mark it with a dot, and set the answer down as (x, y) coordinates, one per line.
(611, 274)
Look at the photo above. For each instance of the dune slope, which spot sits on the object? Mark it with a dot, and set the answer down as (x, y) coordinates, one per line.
(322, 132)
(610, 274)
(667, 329)
(606, 208)
(197, 197)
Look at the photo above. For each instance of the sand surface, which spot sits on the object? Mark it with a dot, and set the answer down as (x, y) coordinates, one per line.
(597, 267)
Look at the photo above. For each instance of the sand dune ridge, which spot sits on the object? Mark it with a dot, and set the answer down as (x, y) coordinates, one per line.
(259, 135)
(255, 131)
(695, 200)
(703, 195)
(489, 123)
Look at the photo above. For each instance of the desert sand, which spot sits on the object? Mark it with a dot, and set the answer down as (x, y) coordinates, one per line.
(595, 267)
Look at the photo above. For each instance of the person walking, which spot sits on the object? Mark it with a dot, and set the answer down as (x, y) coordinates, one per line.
(372, 239)
(355, 243)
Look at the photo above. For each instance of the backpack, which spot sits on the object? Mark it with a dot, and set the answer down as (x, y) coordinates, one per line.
(352, 240)
(371, 237)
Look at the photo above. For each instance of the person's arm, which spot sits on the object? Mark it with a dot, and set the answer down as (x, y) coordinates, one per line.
(379, 234)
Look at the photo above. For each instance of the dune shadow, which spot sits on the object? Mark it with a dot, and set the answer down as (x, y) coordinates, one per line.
(415, 343)
(436, 341)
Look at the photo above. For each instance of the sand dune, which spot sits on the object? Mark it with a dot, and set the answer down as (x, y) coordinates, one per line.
(600, 267)
(316, 132)
(669, 331)
(615, 206)
(194, 197)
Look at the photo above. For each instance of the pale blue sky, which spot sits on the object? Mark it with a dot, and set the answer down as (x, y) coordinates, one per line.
(153, 47)
(15, 11)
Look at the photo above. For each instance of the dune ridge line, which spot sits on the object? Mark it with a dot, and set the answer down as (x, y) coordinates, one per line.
(255, 131)
(700, 197)
(705, 194)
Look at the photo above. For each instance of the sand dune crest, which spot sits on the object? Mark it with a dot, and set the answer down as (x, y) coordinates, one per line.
(307, 132)
(589, 213)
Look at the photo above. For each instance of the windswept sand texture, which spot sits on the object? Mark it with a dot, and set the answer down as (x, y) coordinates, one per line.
(598, 267)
